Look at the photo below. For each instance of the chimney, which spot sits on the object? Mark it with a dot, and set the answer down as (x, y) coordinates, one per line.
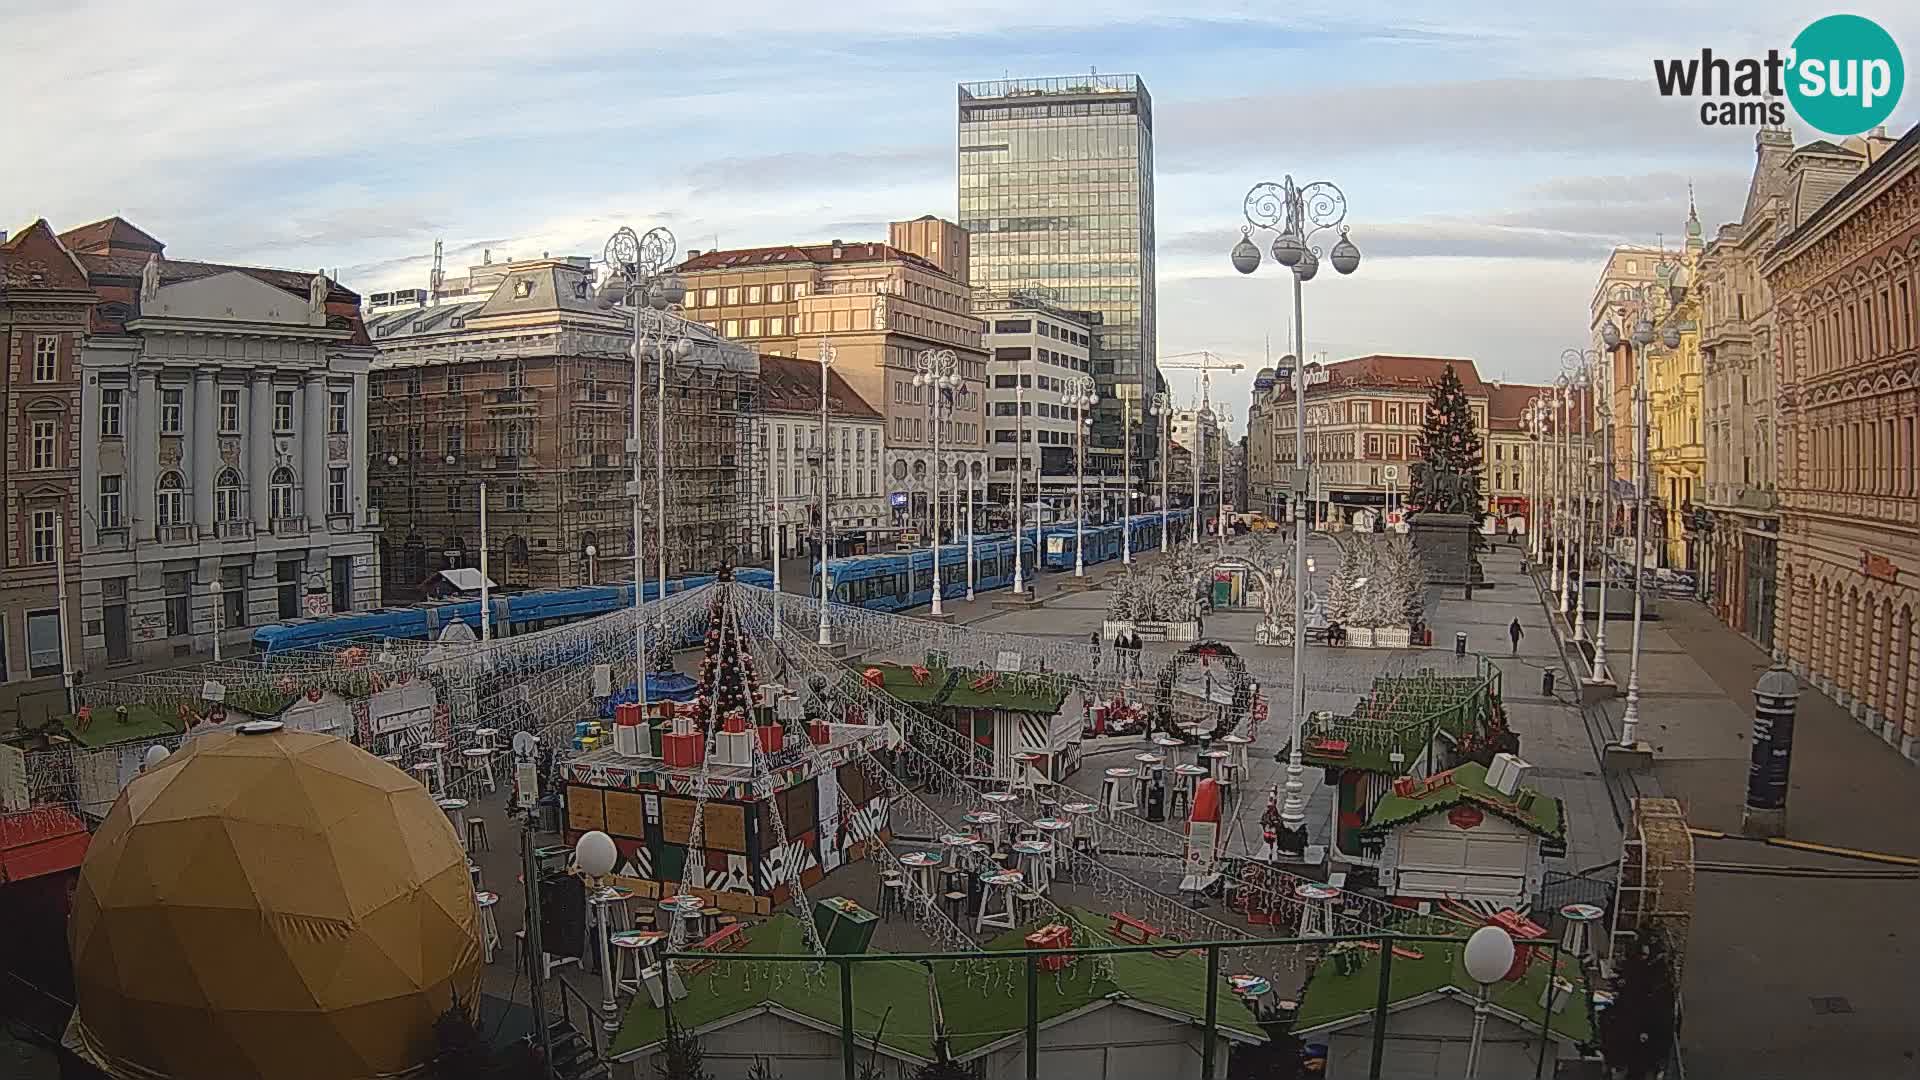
(837, 249)
(693, 253)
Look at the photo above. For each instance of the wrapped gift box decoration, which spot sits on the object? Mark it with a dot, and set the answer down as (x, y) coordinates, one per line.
(735, 721)
(772, 737)
(846, 926)
(683, 751)
(733, 748)
(1051, 936)
(819, 732)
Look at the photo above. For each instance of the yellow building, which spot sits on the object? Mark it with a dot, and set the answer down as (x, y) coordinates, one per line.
(1677, 453)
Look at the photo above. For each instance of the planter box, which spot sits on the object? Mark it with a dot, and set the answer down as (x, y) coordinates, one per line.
(1360, 636)
(1151, 631)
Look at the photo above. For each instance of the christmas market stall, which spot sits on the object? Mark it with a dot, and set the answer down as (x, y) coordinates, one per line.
(1470, 834)
(1010, 713)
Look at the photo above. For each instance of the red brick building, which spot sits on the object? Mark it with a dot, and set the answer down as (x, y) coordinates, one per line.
(44, 307)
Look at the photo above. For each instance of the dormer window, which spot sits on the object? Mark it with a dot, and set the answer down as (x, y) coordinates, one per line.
(522, 288)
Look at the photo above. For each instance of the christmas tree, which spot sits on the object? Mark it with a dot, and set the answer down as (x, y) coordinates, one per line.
(1449, 446)
(726, 670)
(1341, 593)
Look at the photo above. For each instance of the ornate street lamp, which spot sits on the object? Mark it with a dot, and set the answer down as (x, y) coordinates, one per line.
(827, 355)
(1295, 214)
(1591, 360)
(638, 273)
(1628, 298)
(939, 373)
(1163, 408)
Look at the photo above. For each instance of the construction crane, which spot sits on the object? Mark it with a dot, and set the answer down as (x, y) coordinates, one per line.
(1206, 363)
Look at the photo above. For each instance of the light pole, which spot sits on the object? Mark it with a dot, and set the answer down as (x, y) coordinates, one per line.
(1222, 517)
(939, 372)
(486, 608)
(1488, 957)
(1296, 214)
(1578, 376)
(1126, 485)
(216, 589)
(827, 356)
(1641, 338)
(1019, 476)
(594, 855)
(1564, 479)
(1081, 396)
(1202, 419)
(1536, 490)
(1163, 408)
(637, 271)
(1604, 413)
(777, 530)
(967, 470)
(592, 553)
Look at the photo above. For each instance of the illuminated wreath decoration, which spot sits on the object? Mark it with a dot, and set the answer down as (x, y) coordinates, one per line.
(1207, 654)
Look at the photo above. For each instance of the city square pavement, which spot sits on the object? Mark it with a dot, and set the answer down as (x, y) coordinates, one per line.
(1786, 976)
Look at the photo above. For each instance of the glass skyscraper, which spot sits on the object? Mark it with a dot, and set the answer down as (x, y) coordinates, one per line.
(1056, 191)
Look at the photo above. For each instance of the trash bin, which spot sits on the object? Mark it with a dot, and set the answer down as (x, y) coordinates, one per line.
(1546, 683)
(1460, 643)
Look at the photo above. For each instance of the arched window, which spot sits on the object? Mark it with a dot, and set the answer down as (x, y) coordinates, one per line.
(226, 496)
(281, 489)
(170, 500)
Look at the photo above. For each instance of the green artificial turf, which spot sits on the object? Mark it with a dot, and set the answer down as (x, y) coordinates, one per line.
(106, 729)
(1331, 997)
(890, 997)
(953, 687)
(1470, 786)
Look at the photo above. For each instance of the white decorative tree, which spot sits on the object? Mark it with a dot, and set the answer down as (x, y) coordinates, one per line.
(1341, 592)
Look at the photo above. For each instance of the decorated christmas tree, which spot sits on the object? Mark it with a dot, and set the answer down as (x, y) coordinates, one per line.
(1447, 477)
(726, 670)
(1342, 592)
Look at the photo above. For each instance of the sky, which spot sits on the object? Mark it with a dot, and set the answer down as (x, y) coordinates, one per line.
(1490, 153)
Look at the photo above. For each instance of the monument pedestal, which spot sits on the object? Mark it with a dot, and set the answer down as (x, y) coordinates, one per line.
(1444, 545)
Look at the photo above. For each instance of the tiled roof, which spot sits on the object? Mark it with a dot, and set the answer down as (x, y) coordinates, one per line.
(793, 386)
(34, 258)
(114, 232)
(1391, 372)
(1507, 402)
(800, 255)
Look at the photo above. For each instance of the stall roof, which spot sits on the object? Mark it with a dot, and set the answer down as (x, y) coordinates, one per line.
(1544, 815)
(1025, 693)
(1332, 1000)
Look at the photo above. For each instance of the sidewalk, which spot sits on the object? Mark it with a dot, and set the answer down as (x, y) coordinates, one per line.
(1786, 977)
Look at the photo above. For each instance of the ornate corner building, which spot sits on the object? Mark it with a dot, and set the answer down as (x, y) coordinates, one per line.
(1845, 282)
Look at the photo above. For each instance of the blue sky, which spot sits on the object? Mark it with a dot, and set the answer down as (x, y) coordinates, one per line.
(1490, 152)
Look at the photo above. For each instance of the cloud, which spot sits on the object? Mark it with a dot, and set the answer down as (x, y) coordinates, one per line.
(882, 167)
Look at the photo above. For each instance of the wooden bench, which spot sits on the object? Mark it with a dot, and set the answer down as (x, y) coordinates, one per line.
(728, 939)
(1132, 930)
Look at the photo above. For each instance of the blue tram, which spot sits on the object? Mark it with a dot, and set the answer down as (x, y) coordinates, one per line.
(904, 579)
(1102, 543)
(512, 613)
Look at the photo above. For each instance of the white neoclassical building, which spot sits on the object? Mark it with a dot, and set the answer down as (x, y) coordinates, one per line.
(223, 464)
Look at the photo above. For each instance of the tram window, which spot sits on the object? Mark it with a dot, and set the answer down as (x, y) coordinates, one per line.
(923, 579)
(844, 592)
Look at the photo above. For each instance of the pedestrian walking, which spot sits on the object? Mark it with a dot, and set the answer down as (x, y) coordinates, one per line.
(1093, 643)
(1514, 632)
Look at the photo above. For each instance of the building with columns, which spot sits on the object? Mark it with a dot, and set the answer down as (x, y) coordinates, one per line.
(222, 424)
(1845, 282)
(44, 305)
(1738, 506)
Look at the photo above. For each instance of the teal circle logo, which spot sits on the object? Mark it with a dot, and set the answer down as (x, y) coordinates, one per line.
(1846, 74)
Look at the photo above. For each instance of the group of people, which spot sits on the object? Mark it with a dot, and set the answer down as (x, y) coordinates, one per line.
(1126, 650)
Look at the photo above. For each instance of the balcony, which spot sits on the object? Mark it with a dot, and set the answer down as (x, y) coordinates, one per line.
(235, 530)
(290, 526)
(178, 534)
(512, 399)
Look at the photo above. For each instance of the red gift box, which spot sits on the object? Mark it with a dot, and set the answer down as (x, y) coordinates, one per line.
(1051, 936)
(772, 737)
(683, 751)
(735, 722)
(626, 715)
(819, 732)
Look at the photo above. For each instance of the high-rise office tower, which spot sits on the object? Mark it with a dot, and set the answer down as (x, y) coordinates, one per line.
(1056, 192)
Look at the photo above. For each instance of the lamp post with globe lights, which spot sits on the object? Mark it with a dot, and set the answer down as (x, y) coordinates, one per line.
(1019, 476)
(1081, 395)
(970, 470)
(638, 274)
(1295, 215)
(594, 855)
(1163, 408)
(1221, 518)
(1488, 957)
(938, 371)
(1590, 359)
(828, 354)
(1641, 337)
(1562, 478)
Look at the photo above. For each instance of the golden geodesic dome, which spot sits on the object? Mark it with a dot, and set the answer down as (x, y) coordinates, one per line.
(275, 904)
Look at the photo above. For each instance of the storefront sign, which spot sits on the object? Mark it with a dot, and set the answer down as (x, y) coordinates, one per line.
(1465, 817)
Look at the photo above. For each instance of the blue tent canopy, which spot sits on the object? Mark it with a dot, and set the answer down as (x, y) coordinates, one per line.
(667, 686)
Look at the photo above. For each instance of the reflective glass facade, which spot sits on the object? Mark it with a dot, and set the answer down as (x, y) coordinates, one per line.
(1056, 190)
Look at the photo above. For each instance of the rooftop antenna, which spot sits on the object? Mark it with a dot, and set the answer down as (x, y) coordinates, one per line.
(437, 278)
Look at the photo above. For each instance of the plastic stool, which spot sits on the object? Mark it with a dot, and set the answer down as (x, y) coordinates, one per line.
(1117, 789)
(1002, 885)
(477, 835)
(489, 929)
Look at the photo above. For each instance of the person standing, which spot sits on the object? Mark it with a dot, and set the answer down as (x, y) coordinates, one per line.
(1514, 632)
